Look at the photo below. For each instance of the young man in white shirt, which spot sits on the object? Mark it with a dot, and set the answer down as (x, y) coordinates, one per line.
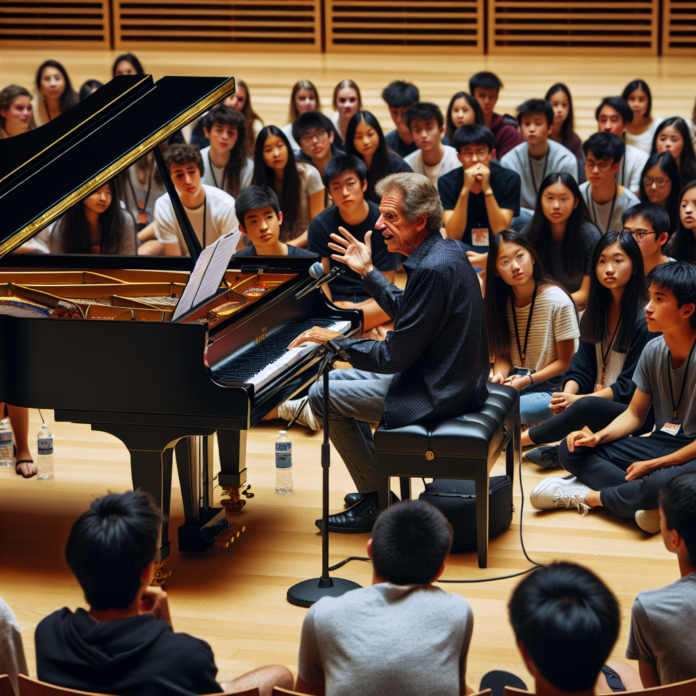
(209, 210)
(604, 197)
(538, 155)
(649, 225)
(614, 115)
(432, 158)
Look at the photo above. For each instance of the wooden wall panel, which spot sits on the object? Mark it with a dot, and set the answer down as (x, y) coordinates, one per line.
(624, 27)
(678, 28)
(54, 24)
(379, 26)
(276, 25)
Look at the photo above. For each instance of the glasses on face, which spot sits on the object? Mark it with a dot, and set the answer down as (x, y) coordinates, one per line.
(480, 153)
(602, 166)
(639, 235)
(311, 136)
(649, 181)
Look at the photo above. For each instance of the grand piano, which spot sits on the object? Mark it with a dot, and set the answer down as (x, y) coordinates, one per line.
(93, 336)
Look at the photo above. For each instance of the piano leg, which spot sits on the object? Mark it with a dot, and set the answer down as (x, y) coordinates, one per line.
(232, 446)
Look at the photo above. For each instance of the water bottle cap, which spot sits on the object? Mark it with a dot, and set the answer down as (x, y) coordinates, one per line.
(44, 426)
(282, 432)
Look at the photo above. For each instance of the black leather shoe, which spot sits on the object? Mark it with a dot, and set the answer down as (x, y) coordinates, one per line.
(352, 498)
(357, 519)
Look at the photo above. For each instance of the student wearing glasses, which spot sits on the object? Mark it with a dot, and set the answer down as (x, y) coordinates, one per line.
(317, 138)
(649, 225)
(660, 184)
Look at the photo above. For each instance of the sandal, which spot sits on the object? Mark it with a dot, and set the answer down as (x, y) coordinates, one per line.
(21, 473)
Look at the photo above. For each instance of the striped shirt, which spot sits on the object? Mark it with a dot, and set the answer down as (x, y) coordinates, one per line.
(554, 320)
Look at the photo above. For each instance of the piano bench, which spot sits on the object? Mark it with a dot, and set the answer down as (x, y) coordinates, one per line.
(466, 447)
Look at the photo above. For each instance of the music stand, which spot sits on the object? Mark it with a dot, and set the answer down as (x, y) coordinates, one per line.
(305, 593)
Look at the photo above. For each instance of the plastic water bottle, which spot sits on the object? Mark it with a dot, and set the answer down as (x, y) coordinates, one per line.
(6, 449)
(283, 450)
(44, 463)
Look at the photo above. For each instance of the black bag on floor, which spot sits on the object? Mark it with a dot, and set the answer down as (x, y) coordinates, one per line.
(456, 500)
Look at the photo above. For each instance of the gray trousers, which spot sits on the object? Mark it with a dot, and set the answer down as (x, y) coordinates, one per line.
(356, 398)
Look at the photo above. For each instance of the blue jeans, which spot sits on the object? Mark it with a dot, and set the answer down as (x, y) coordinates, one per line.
(356, 398)
(534, 408)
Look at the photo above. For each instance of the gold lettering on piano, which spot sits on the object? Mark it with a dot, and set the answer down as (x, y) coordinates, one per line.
(262, 337)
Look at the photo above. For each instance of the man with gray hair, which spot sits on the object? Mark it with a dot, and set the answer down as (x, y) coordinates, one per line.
(432, 366)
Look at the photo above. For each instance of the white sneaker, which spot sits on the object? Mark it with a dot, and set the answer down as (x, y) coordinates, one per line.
(649, 520)
(556, 492)
(289, 409)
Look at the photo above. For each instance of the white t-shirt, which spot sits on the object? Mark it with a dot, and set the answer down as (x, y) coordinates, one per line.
(220, 219)
(599, 213)
(288, 134)
(213, 176)
(631, 167)
(644, 140)
(448, 162)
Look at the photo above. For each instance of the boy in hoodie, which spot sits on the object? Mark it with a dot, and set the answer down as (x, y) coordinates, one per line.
(124, 644)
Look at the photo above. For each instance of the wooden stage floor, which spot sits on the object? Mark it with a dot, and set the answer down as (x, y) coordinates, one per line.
(235, 598)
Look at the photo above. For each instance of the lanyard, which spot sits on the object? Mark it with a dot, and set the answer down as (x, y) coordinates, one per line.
(605, 355)
(205, 218)
(591, 204)
(669, 374)
(142, 214)
(523, 350)
(531, 169)
(212, 173)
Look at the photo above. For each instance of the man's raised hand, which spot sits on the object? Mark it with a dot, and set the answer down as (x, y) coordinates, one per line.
(356, 255)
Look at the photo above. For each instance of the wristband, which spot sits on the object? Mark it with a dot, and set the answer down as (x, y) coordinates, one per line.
(531, 379)
(367, 272)
(488, 193)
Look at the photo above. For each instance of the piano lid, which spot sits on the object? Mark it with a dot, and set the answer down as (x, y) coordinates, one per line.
(47, 170)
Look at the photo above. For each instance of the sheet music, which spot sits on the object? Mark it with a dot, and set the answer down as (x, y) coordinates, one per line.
(208, 273)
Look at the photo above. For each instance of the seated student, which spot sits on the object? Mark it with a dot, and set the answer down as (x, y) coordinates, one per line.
(260, 219)
(672, 135)
(642, 128)
(537, 156)
(12, 660)
(605, 198)
(682, 245)
(127, 64)
(241, 101)
(649, 225)
(481, 197)
(210, 210)
(347, 102)
(564, 236)
(400, 97)
(613, 332)
(15, 112)
(298, 185)
(563, 132)
(316, 135)
(614, 116)
(660, 184)
(54, 92)
(611, 469)
(125, 644)
(352, 644)
(463, 110)
(532, 325)
(303, 99)
(485, 88)
(142, 185)
(88, 87)
(365, 140)
(226, 163)
(663, 621)
(432, 158)
(566, 623)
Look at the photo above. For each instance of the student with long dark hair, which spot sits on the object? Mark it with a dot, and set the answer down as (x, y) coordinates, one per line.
(532, 324)
(365, 140)
(54, 92)
(127, 64)
(660, 184)
(563, 235)
(672, 135)
(15, 111)
(613, 333)
(347, 101)
(642, 128)
(304, 98)
(682, 244)
(89, 87)
(298, 185)
(463, 110)
(558, 96)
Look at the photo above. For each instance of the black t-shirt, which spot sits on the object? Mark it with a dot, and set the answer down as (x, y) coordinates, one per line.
(137, 656)
(292, 251)
(319, 236)
(505, 185)
(394, 142)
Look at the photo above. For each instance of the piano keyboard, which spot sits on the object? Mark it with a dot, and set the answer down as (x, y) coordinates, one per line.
(264, 362)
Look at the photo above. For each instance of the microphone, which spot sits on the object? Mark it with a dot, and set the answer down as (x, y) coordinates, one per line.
(317, 271)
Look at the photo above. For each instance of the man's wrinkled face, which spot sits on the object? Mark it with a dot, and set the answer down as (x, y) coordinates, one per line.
(400, 234)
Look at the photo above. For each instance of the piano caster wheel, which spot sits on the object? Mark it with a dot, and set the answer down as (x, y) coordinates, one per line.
(246, 492)
(234, 503)
(228, 535)
(160, 575)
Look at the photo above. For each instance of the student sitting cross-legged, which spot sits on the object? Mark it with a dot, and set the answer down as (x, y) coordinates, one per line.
(649, 225)
(663, 621)
(625, 474)
(124, 643)
(597, 386)
(402, 636)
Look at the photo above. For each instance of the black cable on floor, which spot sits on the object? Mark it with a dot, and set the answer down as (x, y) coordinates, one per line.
(347, 560)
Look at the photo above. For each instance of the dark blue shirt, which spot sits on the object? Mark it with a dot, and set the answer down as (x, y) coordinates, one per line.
(438, 349)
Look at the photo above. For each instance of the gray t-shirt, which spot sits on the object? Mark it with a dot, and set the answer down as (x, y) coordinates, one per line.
(663, 630)
(387, 640)
(599, 213)
(651, 377)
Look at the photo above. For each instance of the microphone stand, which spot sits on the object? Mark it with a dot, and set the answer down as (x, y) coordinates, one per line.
(305, 593)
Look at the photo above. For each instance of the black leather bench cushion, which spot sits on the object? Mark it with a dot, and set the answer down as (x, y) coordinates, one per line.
(473, 435)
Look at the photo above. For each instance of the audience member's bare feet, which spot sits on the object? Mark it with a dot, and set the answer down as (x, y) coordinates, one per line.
(25, 466)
